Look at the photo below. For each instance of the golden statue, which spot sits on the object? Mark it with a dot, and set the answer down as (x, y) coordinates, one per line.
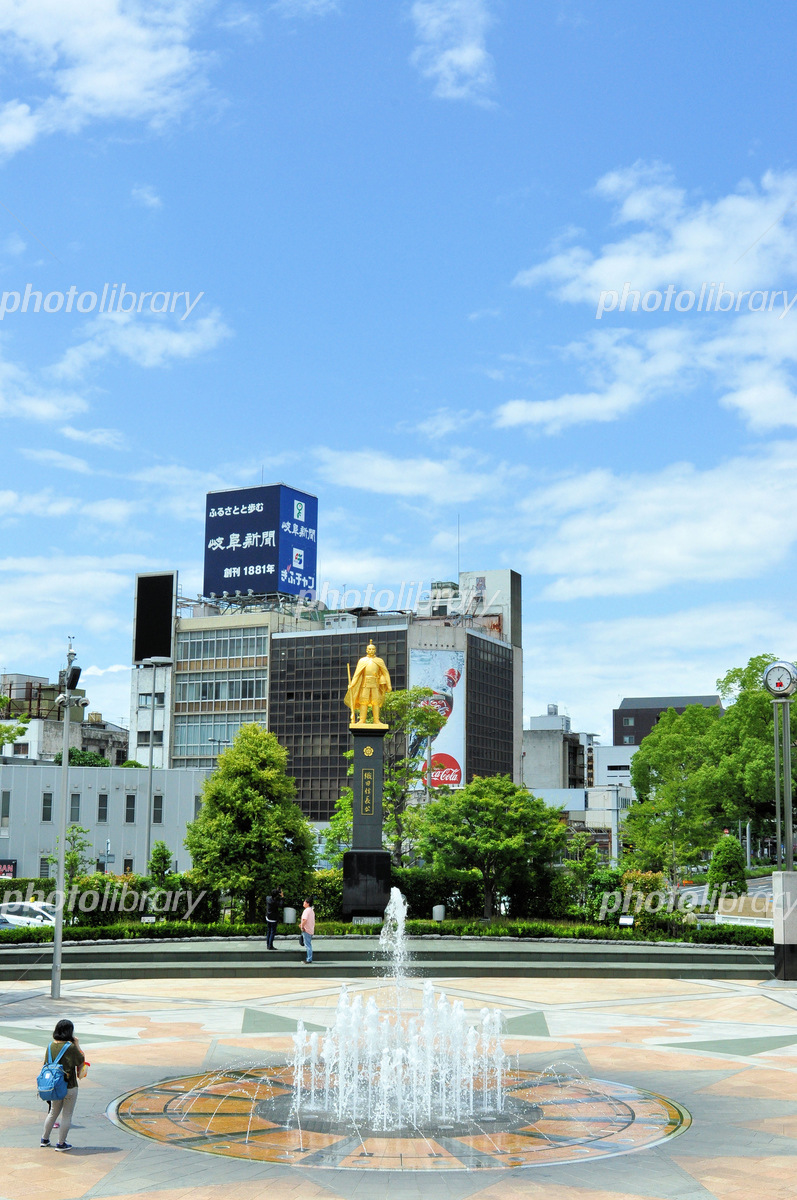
(370, 685)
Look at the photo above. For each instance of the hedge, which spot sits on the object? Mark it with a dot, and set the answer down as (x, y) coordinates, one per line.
(731, 935)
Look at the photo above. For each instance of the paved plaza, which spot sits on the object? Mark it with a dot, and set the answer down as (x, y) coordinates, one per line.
(724, 1054)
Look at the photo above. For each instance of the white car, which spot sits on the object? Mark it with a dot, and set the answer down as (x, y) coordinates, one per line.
(28, 912)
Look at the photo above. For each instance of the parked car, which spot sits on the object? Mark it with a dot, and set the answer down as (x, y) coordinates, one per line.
(28, 912)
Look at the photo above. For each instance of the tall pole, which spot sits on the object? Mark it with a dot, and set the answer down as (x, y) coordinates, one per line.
(787, 809)
(778, 838)
(60, 883)
(149, 780)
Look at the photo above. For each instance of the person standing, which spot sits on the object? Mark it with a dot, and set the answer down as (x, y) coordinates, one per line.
(72, 1061)
(308, 929)
(272, 917)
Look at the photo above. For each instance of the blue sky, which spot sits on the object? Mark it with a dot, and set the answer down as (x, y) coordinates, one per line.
(394, 221)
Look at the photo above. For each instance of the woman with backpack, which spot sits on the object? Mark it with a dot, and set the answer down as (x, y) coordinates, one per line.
(63, 1055)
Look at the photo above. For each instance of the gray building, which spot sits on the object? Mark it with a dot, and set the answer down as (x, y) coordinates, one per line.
(553, 756)
(111, 802)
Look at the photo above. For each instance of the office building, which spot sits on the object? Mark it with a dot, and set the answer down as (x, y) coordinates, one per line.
(637, 715)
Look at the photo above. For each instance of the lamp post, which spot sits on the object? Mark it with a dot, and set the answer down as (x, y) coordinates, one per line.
(154, 662)
(218, 742)
(69, 681)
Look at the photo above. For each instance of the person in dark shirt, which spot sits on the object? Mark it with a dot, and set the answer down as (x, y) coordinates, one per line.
(72, 1061)
(272, 917)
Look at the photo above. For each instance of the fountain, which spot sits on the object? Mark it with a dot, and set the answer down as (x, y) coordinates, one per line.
(409, 1086)
(388, 1071)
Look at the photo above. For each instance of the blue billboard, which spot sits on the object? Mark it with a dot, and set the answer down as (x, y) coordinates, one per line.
(260, 539)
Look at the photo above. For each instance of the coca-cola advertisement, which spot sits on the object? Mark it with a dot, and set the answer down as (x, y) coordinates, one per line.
(444, 672)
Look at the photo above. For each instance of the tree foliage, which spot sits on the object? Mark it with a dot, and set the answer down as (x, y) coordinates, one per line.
(492, 826)
(160, 863)
(249, 836)
(82, 758)
(77, 859)
(11, 731)
(727, 865)
(412, 722)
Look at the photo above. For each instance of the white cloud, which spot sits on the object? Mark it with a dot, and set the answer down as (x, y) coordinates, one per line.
(146, 342)
(445, 421)
(54, 458)
(146, 196)
(452, 47)
(21, 395)
(681, 241)
(97, 60)
(605, 534)
(442, 481)
(14, 244)
(111, 439)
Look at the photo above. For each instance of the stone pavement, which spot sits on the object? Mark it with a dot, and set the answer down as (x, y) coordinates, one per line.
(726, 1051)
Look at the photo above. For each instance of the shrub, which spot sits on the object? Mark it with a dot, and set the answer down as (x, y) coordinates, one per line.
(727, 865)
(462, 892)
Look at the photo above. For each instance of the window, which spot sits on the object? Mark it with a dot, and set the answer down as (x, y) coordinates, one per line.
(144, 699)
(5, 808)
(130, 811)
(102, 808)
(157, 810)
(121, 756)
(127, 866)
(157, 737)
(628, 722)
(159, 699)
(197, 806)
(47, 806)
(21, 748)
(74, 808)
(100, 867)
(143, 737)
(44, 868)
(628, 739)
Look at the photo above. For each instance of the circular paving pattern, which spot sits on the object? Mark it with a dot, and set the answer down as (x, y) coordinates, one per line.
(550, 1118)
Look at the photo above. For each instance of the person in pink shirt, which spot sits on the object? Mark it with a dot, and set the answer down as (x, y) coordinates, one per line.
(308, 929)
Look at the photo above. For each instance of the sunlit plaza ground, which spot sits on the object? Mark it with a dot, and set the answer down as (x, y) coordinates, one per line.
(726, 1052)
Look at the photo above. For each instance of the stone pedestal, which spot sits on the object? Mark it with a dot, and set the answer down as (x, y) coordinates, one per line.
(366, 867)
(784, 912)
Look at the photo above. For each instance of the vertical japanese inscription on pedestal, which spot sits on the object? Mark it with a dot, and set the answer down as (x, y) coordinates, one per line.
(367, 792)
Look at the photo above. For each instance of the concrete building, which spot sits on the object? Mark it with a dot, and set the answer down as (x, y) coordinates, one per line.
(612, 765)
(553, 756)
(600, 810)
(282, 662)
(34, 696)
(637, 715)
(111, 802)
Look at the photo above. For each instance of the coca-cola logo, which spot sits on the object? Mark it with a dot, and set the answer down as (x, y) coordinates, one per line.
(442, 703)
(445, 770)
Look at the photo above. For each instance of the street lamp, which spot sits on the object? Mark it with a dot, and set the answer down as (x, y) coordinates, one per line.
(219, 742)
(157, 660)
(69, 681)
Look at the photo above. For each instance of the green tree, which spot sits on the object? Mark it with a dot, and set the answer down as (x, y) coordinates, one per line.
(412, 720)
(338, 837)
(581, 865)
(77, 858)
(492, 826)
(250, 837)
(82, 758)
(131, 762)
(727, 865)
(16, 728)
(160, 863)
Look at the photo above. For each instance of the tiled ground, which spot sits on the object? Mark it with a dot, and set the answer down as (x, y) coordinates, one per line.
(723, 1050)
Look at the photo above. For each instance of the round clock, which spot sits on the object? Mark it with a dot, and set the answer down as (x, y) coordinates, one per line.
(780, 679)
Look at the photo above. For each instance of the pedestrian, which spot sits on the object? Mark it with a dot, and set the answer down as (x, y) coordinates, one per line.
(272, 916)
(308, 929)
(72, 1060)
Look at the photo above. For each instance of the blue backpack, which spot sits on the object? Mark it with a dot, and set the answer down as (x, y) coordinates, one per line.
(51, 1081)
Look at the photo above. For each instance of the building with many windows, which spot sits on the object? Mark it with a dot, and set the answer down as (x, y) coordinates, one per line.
(283, 663)
(110, 802)
(637, 715)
